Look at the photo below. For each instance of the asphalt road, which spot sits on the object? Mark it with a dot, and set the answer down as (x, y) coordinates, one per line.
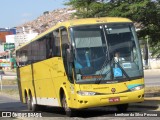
(8, 103)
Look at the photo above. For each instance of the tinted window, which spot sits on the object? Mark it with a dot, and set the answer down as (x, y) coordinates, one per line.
(56, 46)
(22, 56)
(49, 45)
(44, 48)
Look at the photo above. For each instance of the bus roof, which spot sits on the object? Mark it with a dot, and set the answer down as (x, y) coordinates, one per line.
(79, 22)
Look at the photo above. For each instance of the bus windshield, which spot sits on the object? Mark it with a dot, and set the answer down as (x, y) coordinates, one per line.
(106, 53)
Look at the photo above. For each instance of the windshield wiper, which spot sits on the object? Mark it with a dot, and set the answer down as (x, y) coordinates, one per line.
(98, 80)
(123, 71)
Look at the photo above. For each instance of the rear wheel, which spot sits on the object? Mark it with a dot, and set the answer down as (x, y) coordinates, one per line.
(28, 101)
(122, 107)
(69, 111)
(34, 106)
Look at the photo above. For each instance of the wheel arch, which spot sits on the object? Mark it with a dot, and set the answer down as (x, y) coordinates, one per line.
(62, 92)
(25, 95)
(30, 93)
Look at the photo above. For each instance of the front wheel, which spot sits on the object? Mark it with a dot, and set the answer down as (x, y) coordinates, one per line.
(69, 111)
(122, 107)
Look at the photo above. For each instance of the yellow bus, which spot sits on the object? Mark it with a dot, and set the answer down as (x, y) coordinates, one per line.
(80, 64)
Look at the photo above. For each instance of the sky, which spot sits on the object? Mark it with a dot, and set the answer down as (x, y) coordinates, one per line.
(17, 12)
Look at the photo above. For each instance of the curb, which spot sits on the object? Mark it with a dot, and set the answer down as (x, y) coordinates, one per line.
(147, 104)
(151, 95)
(153, 98)
(152, 70)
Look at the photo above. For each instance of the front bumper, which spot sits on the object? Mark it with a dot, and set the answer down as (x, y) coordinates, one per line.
(105, 100)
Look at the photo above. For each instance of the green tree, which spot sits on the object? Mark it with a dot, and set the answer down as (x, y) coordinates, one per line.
(87, 8)
(144, 12)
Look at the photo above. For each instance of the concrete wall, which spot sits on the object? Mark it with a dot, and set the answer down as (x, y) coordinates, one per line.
(155, 64)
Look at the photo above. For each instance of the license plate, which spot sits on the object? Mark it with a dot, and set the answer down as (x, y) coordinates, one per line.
(115, 99)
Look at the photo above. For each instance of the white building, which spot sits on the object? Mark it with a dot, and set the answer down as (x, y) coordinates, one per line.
(24, 38)
(20, 39)
(10, 38)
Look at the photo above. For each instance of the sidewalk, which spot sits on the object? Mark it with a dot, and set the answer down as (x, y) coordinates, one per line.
(151, 70)
(149, 103)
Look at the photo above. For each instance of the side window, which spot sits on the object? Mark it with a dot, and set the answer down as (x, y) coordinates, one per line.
(29, 54)
(42, 49)
(65, 41)
(22, 56)
(49, 46)
(35, 51)
(65, 45)
(39, 50)
(18, 57)
(56, 43)
(25, 55)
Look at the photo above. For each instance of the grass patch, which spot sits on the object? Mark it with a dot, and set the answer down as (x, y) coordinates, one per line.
(152, 89)
(9, 82)
(12, 92)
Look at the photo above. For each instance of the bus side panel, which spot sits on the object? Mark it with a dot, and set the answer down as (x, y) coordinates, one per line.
(19, 84)
(50, 77)
(25, 80)
(61, 81)
(44, 78)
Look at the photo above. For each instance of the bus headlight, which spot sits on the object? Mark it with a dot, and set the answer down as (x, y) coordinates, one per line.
(137, 88)
(86, 93)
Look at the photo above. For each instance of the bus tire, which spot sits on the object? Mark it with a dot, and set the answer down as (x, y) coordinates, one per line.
(122, 107)
(34, 107)
(69, 111)
(29, 106)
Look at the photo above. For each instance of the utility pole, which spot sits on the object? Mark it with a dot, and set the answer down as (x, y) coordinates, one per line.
(149, 64)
